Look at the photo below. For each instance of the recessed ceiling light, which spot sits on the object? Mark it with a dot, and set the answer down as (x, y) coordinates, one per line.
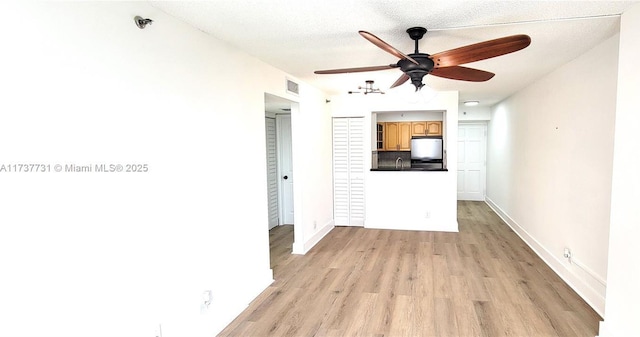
(471, 103)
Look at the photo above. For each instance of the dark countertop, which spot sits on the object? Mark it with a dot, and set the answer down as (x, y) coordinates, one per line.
(409, 169)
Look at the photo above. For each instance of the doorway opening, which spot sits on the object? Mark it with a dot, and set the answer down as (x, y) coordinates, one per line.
(280, 176)
(472, 160)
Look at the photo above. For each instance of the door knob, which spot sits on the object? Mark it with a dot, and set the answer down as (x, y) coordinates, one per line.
(285, 177)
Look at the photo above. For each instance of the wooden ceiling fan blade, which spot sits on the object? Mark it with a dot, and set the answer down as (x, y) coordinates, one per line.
(400, 81)
(463, 74)
(355, 70)
(386, 47)
(480, 51)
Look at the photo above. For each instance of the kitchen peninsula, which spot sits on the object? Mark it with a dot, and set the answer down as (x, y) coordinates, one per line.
(379, 196)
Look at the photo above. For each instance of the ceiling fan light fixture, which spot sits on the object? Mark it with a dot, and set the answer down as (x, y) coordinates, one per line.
(420, 96)
(471, 103)
(427, 93)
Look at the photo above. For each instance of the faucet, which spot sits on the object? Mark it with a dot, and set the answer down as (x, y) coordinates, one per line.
(399, 161)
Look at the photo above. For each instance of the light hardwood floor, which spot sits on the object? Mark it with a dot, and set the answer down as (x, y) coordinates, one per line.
(482, 281)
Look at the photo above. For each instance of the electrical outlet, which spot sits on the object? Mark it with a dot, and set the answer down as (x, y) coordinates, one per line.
(315, 224)
(427, 214)
(567, 253)
(207, 297)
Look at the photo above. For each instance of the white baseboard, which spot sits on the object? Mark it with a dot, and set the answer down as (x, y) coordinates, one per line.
(303, 247)
(413, 225)
(595, 298)
(240, 303)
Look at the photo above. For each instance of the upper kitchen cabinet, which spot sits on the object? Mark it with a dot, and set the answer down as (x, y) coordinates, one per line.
(418, 129)
(380, 136)
(397, 136)
(434, 128)
(404, 138)
(390, 136)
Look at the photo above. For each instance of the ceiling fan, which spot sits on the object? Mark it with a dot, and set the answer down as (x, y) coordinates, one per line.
(444, 64)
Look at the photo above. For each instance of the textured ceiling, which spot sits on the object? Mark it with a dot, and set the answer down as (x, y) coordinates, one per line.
(302, 36)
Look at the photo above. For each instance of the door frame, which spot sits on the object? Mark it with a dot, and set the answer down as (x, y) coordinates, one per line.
(485, 125)
(275, 104)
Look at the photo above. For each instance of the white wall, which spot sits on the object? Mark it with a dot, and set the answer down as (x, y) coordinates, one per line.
(313, 171)
(409, 116)
(90, 254)
(623, 294)
(474, 113)
(400, 200)
(550, 149)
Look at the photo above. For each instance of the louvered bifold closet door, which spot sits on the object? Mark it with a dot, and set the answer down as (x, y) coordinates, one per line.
(272, 171)
(348, 171)
(341, 171)
(356, 171)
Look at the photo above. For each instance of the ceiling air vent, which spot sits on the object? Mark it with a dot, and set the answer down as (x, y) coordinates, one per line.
(292, 87)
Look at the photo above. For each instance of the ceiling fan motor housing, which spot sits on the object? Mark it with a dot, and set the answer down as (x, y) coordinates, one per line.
(417, 71)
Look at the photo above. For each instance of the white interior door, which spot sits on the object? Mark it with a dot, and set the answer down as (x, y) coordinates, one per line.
(285, 168)
(272, 171)
(348, 171)
(472, 140)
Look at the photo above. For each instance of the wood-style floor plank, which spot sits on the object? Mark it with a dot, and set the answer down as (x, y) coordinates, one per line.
(482, 281)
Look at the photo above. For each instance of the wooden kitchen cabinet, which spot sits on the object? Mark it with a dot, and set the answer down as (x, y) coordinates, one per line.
(397, 136)
(390, 136)
(434, 128)
(404, 137)
(380, 136)
(418, 129)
